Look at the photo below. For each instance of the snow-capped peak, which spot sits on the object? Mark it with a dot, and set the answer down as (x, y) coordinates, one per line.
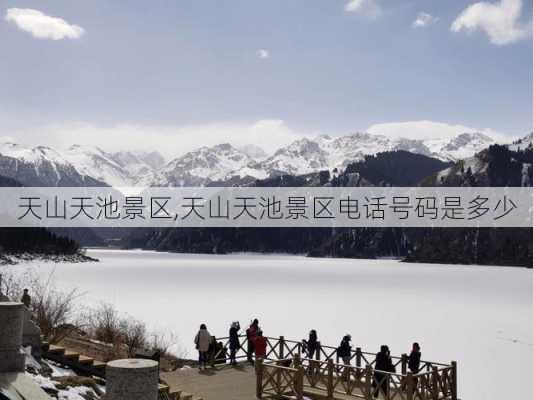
(31, 154)
(253, 151)
(224, 161)
(324, 152)
(206, 164)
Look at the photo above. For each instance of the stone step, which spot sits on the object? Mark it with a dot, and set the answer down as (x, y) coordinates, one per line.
(99, 364)
(56, 349)
(85, 360)
(71, 355)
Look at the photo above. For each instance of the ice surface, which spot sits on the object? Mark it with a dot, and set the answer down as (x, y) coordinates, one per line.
(479, 316)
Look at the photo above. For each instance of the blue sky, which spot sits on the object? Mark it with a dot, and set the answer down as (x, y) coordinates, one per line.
(224, 70)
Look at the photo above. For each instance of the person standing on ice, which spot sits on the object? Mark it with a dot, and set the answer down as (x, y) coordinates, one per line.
(234, 344)
(260, 345)
(311, 344)
(202, 342)
(251, 335)
(414, 359)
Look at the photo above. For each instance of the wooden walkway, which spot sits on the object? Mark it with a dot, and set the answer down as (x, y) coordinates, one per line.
(226, 383)
(219, 383)
(285, 374)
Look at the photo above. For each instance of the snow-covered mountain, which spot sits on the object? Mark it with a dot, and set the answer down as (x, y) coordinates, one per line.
(522, 144)
(508, 165)
(253, 151)
(207, 164)
(90, 165)
(41, 166)
(116, 169)
(77, 166)
(308, 155)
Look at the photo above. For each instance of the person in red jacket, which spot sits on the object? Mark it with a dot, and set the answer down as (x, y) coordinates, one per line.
(260, 345)
(251, 335)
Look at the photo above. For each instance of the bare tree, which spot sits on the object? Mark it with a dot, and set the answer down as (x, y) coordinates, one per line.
(165, 343)
(104, 323)
(54, 310)
(133, 334)
(12, 285)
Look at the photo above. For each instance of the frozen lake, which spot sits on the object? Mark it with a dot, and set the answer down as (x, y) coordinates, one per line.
(480, 316)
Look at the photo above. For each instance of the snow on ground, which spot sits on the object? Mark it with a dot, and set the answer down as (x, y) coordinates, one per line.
(479, 316)
(48, 376)
(74, 393)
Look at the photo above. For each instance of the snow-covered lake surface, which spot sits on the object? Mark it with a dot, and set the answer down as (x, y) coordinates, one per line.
(480, 316)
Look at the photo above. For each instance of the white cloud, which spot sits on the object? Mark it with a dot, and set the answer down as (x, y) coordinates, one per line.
(170, 140)
(42, 26)
(500, 21)
(432, 130)
(423, 20)
(369, 8)
(262, 53)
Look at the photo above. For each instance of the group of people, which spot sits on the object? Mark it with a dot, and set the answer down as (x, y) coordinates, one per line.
(257, 345)
(383, 363)
(256, 342)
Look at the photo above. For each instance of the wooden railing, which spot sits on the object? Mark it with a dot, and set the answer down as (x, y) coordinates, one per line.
(285, 371)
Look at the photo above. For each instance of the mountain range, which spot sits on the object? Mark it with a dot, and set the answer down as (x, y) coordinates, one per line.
(451, 163)
(496, 166)
(91, 166)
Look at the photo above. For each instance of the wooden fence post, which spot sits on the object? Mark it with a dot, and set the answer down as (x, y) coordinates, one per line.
(213, 355)
(435, 383)
(410, 381)
(330, 378)
(368, 383)
(358, 359)
(315, 365)
(404, 364)
(388, 379)
(297, 361)
(259, 378)
(424, 385)
(358, 356)
(299, 383)
(454, 380)
(281, 350)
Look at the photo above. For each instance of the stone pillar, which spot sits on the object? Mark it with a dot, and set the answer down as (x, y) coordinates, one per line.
(132, 379)
(11, 321)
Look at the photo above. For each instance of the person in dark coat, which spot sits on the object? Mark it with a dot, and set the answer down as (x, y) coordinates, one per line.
(383, 364)
(251, 335)
(26, 299)
(344, 351)
(311, 345)
(414, 359)
(234, 344)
